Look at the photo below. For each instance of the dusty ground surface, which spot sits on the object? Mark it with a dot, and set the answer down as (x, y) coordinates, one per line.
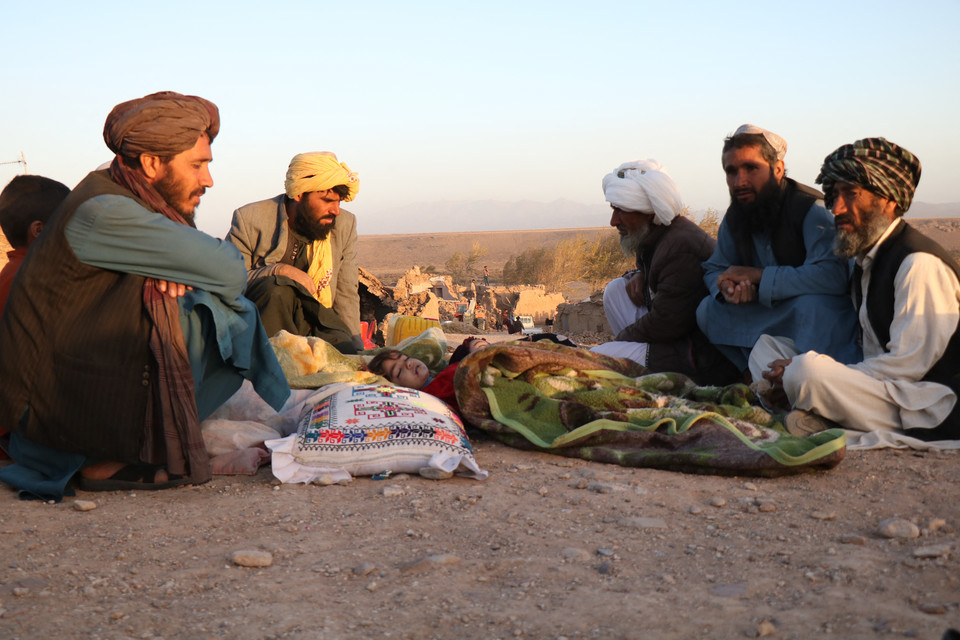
(546, 547)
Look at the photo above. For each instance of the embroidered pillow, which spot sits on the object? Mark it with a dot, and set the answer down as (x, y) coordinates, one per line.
(369, 429)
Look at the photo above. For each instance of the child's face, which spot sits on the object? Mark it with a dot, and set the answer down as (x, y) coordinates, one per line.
(406, 372)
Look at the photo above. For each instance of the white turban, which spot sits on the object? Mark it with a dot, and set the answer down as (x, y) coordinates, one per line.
(644, 186)
(319, 171)
(779, 144)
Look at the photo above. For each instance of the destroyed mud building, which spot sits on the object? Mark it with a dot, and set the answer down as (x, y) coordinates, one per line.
(433, 296)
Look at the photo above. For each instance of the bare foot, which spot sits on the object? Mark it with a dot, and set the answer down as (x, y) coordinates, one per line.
(104, 470)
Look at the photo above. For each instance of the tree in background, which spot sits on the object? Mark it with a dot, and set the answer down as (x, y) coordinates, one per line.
(710, 222)
(461, 267)
(593, 261)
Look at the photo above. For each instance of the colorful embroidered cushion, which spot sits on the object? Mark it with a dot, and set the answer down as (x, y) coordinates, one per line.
(369, 429)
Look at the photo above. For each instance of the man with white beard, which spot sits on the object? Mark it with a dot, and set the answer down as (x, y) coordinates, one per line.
(652, 310)
(906, 289)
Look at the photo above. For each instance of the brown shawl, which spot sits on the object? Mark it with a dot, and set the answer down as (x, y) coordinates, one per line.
(164, 124)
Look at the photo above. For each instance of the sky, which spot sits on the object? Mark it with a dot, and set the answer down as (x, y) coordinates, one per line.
(459, 102)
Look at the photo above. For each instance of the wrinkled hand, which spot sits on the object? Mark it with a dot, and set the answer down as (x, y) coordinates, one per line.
(172, 289)
(635, 289)
(775, 371)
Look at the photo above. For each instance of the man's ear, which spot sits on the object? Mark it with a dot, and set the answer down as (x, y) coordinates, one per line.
(152, 167)
(779, 169)
(890, 209)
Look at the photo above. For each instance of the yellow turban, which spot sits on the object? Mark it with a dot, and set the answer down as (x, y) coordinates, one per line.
(319, 171)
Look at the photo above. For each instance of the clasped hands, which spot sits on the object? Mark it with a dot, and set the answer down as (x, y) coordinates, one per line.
(738, 285)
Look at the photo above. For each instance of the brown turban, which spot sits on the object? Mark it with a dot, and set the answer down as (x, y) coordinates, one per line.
(161, 124)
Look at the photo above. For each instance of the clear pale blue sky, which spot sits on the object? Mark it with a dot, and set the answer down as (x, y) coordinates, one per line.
(492, 100)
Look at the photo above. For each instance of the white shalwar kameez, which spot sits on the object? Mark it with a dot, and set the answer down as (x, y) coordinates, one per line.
(883, 394)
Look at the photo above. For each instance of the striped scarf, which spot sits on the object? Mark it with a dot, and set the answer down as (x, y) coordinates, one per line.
(185, 453)
(875, 164)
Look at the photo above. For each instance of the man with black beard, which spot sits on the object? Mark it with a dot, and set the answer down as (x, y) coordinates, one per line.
(652, 310)
(300, 249)
(907, 289)
(774, 270)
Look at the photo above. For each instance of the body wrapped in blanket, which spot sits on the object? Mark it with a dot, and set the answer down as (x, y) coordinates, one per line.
(575, 403)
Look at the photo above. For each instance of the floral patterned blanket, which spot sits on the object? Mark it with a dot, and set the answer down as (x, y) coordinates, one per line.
(577, 403)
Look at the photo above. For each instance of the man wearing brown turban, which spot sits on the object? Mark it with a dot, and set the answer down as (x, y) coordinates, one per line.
(300, 249)
(907, 290)
(126, 325)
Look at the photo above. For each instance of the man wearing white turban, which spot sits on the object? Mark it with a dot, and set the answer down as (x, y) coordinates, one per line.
(774, 271)
(652, 310)
(300, 249)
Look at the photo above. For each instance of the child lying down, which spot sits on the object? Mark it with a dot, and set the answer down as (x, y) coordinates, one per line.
(404, 371)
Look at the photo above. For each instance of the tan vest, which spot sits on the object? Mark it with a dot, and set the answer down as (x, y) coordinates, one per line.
(76, 373)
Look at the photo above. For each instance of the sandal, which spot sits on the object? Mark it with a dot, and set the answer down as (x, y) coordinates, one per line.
(132, 477)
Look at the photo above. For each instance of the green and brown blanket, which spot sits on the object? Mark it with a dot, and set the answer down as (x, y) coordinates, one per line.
(577, 403)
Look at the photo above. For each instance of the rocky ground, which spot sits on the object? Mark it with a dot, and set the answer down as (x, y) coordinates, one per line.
(546, 547)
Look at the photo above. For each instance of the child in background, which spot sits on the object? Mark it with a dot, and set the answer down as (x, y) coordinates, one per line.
(26, 204)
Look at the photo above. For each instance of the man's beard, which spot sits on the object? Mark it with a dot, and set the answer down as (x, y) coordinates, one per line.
(763, 212)
(310, 228)
(848, 244)
(630, 244)
(178, 196)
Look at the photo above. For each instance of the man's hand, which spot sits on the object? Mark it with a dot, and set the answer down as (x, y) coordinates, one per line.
(635, 289)
(172, 289)
(775, 371)
(288, 271)
(738, 285)
(738, 292)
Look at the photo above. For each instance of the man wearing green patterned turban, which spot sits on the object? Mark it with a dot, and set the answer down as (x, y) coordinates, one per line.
(907, 291)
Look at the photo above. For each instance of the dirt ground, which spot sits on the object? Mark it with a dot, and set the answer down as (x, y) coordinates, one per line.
(546, 547)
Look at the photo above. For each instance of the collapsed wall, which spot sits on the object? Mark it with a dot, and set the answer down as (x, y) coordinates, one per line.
(425, 295)
(539, 304)
(582, 317)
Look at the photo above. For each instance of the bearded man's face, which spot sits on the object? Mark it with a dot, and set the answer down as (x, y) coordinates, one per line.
(316, 214)
(185, 178)
(860, 217)
(633, 227)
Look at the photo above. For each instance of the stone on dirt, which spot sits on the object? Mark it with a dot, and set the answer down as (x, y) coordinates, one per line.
(248, 558)
(898, 528)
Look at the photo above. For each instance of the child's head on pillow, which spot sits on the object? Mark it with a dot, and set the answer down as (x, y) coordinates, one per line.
(400, 369)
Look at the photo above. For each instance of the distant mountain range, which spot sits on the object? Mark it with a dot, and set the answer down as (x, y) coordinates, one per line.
(492, 215)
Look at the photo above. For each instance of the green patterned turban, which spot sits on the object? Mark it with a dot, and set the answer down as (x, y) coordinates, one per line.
(875, 164)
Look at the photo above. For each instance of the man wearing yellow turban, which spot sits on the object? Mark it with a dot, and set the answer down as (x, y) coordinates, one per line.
(300, 250)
